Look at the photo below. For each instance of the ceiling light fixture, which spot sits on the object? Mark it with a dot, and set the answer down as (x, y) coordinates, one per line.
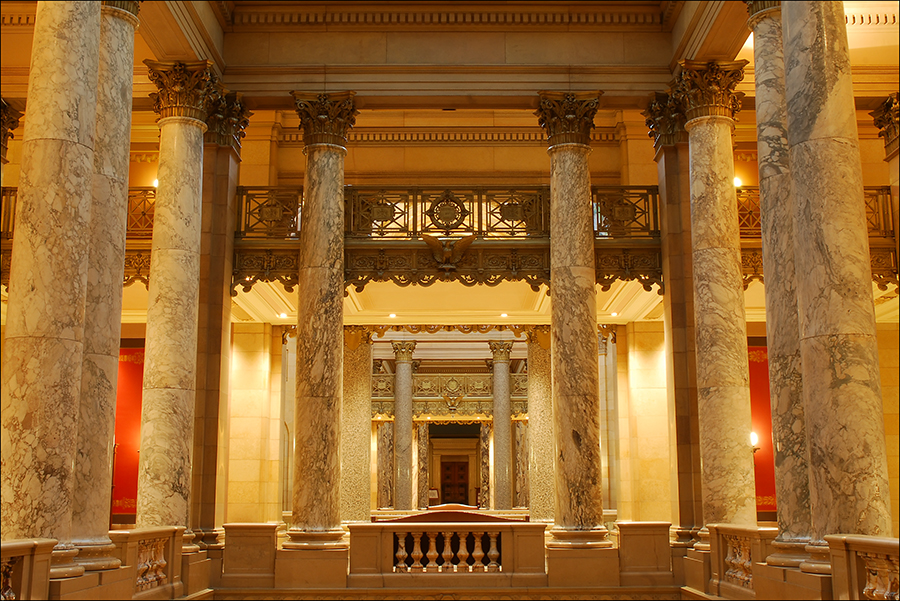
(156, 183)
(392, 315)
(283, 316)
(504, 315)
(614, 314)
(737, 182)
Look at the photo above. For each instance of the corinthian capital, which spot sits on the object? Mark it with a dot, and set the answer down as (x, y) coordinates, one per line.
(403, 349)
(665, 118)
(226, 118)
(326, 118)
(885, 117)
(707, 88)
(132, 7)
(183, 88)
(500, 350)
(568, 117)
(9, 120)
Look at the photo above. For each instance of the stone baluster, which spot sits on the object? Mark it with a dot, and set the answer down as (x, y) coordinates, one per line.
(432, 553)
(841, 380)
(477, 552)
(706, 92)
(782, 321)
(403, 424)
(401, 552)
(886, 120)
(9, 120)
(568, 119)
(493, 553)
(170, 355)
(42, 357)
(502, 485)
(447, 553)
(463, 553)
(316, 517)
(417, 552)
(541, 483)
(103, 302)
(356, 429)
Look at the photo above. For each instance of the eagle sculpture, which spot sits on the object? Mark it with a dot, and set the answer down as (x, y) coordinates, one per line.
(447, 253)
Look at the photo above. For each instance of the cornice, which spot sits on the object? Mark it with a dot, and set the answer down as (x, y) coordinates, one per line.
(506, 137)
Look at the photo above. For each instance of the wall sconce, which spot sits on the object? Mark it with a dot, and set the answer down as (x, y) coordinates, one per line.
(754, 441)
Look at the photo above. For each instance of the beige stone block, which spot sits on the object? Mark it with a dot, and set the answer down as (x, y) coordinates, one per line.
(246, 427)
(582, 567)
(468, 48)
(250, 512)
(243, 470)
(249, 555)
(312, 569)
(321, 48)
(245, 448)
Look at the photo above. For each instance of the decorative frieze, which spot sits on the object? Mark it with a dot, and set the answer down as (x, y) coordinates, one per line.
(183, 88)
(707, 88)
(227, 118)
(9, 120)
(568, 117)
(665, 118)
(885, 118)
(641, 265)
(325, 118)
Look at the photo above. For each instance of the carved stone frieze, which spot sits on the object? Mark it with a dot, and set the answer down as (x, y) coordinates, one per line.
(643, 265)
(183, 88)
(137, 266)
(403, 349)
(665, 118)
(227, 118)
(380, 330)
(568, 117)
(264, 265)
(884, 267)
(383, 386)
(9, 120)
(751, 265)
(500, 350)
(326, 118)
(885, 118)
(881, 575)
(707, 88)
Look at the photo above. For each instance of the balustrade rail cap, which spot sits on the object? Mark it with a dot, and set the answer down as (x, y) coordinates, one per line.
(23, 546)
(450, 516)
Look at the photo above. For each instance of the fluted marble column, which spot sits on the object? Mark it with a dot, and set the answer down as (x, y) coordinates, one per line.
(9, 120)
(170, 355)
(568, 119)
(886, 120)
(103, 304)
(316, 505)
(41, 374)
(666, 119)
(403, 424)
(841, 381)
(706, 91)
(356, 426)
(502, 485)
(782, 321)
(541, 445)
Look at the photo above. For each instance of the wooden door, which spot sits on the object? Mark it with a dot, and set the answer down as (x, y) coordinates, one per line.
(454, 482)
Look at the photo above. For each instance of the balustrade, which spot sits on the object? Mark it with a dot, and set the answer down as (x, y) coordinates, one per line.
(734, 549)
(156, 555)
(25, 568)
(864, 567)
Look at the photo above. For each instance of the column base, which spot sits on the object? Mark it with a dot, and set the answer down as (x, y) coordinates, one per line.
(564, 538)
(819, 560)
(187, 545)
(787, 554)
(582, 566)
(62, 562)
(210, 538)
(97, 556)
(316, 540)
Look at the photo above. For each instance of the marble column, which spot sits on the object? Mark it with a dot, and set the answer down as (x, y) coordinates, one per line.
(706, 91)
(170, 355)
(520, 427)
(384, 434)
(9, 120)
(568, 119)
(841, 382)
(226, 121)
(886, 120)
(421, 463)
(103, 302)
(782, 321)
(665, 119)
(485, 500)
(403, 424)
(356, 426)
(542, 484)
(316, 506)
(41, 365)
(503, 484)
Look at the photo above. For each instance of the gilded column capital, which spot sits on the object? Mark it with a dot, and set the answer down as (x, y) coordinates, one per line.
(539, 335)
(500, 350)
(326, 118)
(707, 88)
(132, 7)
(183, 88)
(226, 117)
(665, 118)
(356, 336)
(9, 120)
(403, 349)
(885, 117)
(761, 9)
(568, 117)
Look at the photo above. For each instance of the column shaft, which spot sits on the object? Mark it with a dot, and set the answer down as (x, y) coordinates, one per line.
(573, 326)
(782, 321)
(403, 426)
(542, 489)
(841, 382)
(723, 388)
(485, 500)
(521, 471)
(421, 465)
(356, 426)
(41, 372)
(103, 303)
(384, 432)
(502, 485)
